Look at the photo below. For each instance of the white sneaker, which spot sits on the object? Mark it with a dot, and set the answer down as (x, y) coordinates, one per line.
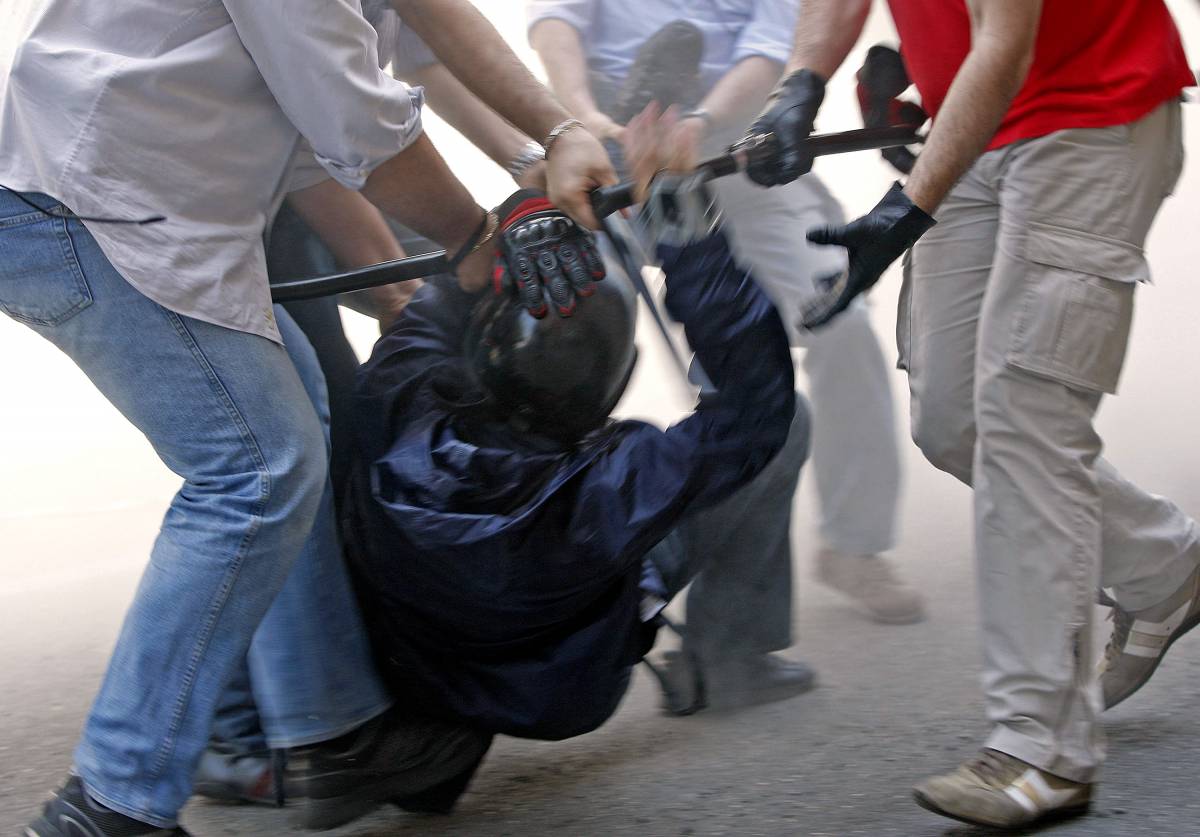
(1000, 791)
(871, 582)
(1140, 639)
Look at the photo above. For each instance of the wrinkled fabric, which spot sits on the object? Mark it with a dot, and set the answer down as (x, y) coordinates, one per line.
(500, 570)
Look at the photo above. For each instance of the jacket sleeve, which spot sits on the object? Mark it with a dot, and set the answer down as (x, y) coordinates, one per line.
(426, 336)
(638, 491)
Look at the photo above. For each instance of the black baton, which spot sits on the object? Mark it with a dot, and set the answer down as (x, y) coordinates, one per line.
(605, 201)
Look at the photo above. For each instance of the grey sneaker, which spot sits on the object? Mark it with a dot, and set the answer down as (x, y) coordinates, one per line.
(871, 582)
(1141, 638)
(1000, 791)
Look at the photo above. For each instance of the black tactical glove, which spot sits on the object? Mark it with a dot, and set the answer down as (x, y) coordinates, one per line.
(881, 80)
(872, 243)
(788, 118)
(543, 257)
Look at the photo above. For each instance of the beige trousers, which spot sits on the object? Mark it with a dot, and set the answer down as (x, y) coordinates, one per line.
(1014, 319)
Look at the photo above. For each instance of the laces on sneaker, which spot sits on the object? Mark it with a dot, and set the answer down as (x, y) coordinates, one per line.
(1122, 624)
(993, 769)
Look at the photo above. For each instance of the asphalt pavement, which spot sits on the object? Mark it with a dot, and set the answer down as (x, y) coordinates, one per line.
(81, 494)
(894, 704)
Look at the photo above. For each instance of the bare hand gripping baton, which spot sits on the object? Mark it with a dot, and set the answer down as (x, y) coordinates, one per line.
(605, 201)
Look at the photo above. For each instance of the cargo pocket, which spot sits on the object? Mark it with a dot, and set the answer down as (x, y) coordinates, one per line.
(904, 314)
(41, 282)
(1076, 311)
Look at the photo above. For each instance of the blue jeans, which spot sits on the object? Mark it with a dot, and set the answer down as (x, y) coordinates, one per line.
(248, 549)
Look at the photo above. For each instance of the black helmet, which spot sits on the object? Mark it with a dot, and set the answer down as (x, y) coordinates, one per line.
(561, 375)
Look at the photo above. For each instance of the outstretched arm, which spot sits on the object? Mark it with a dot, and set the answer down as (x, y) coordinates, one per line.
(474, 52)
(1004, 35)
(826, 31)
(560, 47)
(651, 479)
(486, 129)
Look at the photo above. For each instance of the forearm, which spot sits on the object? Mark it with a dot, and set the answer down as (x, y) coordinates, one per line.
(740, 93)
(353, 230)
(357, 235)
(826, 31)
(474, 52)
(452, 101)
(417, 188)
(982, 92)
(559, 46)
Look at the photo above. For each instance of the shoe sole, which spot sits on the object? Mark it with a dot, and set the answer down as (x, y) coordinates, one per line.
(1187, 625)
(322, 814)
(1057, 815)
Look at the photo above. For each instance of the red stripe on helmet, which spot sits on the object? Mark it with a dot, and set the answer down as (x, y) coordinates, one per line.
(526, 208)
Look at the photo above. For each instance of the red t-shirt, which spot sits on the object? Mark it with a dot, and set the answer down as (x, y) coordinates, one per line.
(1097, 62)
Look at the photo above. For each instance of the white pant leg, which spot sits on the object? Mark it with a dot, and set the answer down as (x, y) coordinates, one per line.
(854, 447)
(1052, 326)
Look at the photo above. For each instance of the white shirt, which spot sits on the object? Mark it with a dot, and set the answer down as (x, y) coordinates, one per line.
(193, 109)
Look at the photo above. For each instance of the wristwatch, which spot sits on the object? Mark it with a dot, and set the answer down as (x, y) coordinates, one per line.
(528, 157)
(699, 113)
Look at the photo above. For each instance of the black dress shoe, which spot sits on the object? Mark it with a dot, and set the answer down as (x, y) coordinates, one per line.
(441, 799)
(758, 678)
(731, 682)
(231, 776)
(388, 759)
(73, 813)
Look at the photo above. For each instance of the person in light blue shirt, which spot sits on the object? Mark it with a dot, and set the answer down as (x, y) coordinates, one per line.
(733, 30)
(601, 56)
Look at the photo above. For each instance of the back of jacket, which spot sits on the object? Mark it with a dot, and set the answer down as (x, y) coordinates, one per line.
(500, 570)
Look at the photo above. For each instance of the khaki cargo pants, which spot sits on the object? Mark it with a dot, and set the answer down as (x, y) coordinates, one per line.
(1014, 319)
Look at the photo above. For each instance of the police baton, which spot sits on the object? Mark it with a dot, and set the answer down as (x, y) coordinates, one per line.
(605, 201)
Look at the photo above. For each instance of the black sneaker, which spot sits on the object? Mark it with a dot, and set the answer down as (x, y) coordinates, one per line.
(72, 813)
(387, 759)
(666, 70)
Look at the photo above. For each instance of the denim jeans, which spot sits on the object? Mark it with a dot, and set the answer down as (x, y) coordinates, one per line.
(233, 414)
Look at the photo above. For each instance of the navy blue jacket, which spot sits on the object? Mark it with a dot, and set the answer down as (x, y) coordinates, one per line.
(500, 571)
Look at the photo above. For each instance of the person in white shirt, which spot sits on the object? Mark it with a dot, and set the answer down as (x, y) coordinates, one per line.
(116, 115)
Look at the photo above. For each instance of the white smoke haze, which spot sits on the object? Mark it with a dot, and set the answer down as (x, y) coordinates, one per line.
(82, 493)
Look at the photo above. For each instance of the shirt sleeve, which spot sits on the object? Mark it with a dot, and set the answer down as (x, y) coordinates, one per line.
(411, 53)
(578, 13)
(320, 59)
(305, 171)
(770, 31)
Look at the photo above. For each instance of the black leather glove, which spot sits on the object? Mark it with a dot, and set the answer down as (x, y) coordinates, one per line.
(543, 257)
(872, 242)
(788, 118)
(881, 80)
